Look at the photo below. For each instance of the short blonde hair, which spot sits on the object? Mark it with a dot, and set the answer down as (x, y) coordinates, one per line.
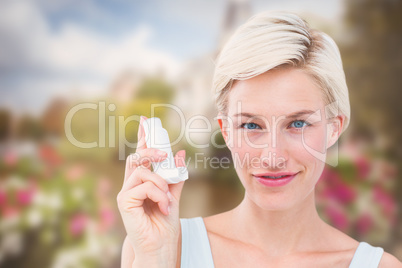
(271, 40)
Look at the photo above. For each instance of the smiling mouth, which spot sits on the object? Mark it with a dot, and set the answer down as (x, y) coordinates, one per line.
(279, 177)
(275, 181)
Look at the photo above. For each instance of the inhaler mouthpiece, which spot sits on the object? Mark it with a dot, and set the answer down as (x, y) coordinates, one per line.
(157, 137)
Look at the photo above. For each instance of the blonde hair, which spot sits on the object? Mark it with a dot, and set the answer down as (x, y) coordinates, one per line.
(271, 40)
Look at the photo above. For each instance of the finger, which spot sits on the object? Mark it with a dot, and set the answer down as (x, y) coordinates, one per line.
(134, 198)
(176, 189)
(141, 144)
(143, 158)
(180, 158)
(142, 175)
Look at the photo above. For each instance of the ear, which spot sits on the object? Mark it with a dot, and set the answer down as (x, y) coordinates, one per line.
(334, 129)
(223, 125)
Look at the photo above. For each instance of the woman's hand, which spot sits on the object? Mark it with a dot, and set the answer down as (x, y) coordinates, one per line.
(150, 207)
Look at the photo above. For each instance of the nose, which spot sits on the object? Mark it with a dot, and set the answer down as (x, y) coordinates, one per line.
(276, 154)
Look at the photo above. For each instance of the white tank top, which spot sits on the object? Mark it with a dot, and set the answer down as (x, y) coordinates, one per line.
(196, 250)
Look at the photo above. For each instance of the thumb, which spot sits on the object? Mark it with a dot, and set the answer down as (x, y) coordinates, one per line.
(180, 158)
(176, 188)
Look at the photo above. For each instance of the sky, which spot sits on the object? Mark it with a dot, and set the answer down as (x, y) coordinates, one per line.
(70, 48)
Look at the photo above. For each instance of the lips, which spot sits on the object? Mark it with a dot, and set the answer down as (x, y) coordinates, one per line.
(275, 175)
(275, 179)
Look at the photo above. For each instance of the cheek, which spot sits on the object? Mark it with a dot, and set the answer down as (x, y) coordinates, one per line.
(316, 139)
(237, 143)
(243, 151)
(310, 147)
(248, 141)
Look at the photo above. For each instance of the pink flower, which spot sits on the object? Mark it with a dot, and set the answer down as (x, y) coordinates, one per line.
(330, 176)
(33, 184)
(364, 223)
(387, 170)
(10, 212)
(363, 167)
(49, 155)
(385, 200)
(107, 219)
(3, 197)
(75, 172)
(24, 197)
(344, 193)
(335, 188)
(78, 224)
(337, 217)
(10, 158)
(104, 186)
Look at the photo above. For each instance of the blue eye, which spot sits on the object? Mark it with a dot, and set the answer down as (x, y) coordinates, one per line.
(299, 124)
(250, 126)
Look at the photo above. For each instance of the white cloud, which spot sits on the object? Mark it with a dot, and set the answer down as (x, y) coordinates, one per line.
(23, 33)
(329, 9)
(76, 49)
(72, 56)
(26, 35)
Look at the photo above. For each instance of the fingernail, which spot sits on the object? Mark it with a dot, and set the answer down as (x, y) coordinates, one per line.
(161, 153)
(170, 196)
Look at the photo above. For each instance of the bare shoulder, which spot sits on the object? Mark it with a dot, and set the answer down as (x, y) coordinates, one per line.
(389, 261)
(214, 219)
(216, 223)
(340, 238)
(336, 240)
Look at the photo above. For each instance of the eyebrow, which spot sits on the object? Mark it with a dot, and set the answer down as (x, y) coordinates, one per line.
(293, 115)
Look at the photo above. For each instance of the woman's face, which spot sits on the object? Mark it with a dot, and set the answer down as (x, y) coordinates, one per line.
(276, 123)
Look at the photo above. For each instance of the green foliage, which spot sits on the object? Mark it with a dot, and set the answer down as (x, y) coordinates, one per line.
(154, 88)
(85, 124)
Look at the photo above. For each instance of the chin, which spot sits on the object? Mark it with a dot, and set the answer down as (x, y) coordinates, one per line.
(271, 201)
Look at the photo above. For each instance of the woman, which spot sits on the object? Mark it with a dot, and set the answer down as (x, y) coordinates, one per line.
(282, 101)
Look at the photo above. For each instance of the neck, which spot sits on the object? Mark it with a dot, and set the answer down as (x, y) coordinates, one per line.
(278, 232)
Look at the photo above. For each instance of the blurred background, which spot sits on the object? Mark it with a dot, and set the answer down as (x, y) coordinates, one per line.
(57, 200)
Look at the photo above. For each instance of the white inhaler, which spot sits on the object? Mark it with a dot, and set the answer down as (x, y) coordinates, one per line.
(157, 137)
